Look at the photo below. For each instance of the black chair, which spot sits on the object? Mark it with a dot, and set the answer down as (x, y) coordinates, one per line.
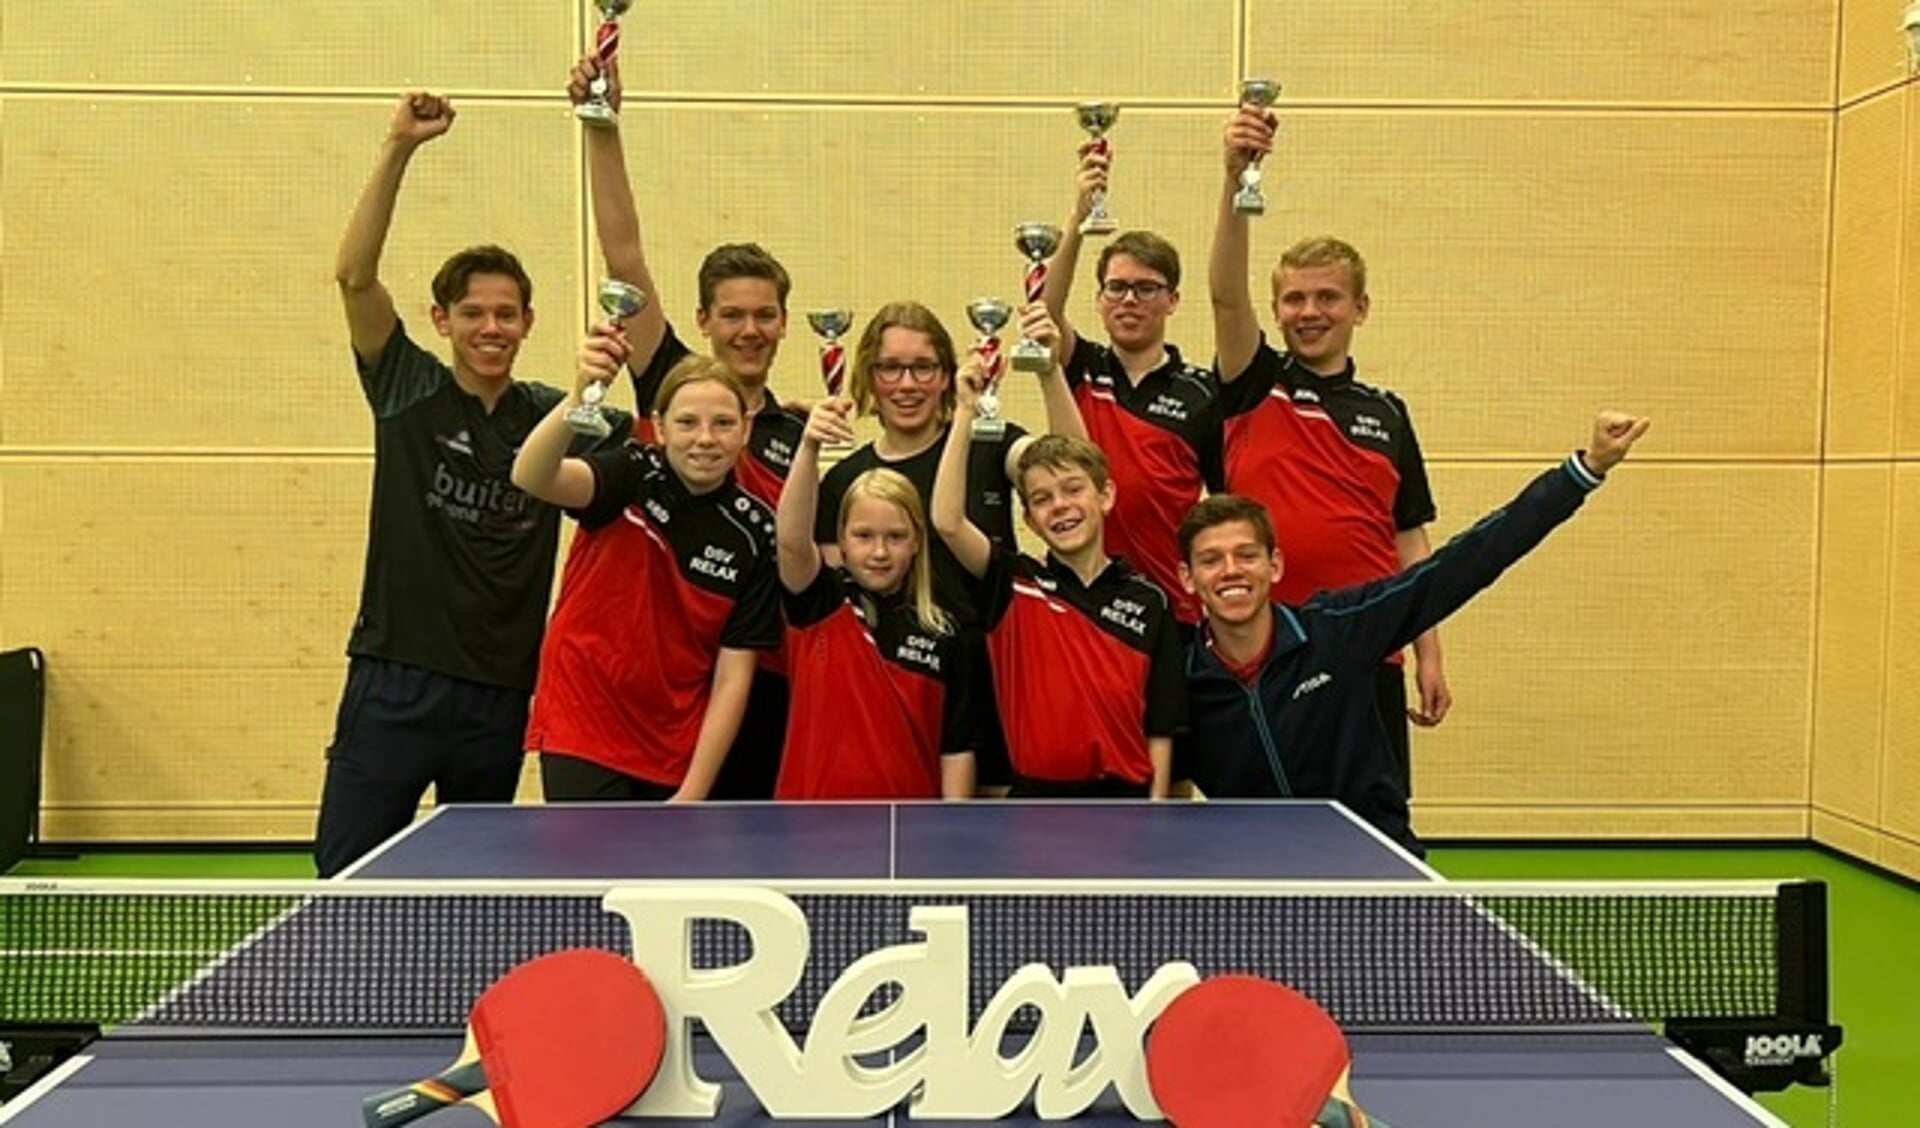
(23, 710)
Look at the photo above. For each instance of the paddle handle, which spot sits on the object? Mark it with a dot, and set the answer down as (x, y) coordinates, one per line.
(1337, 1113)
(411, 1102)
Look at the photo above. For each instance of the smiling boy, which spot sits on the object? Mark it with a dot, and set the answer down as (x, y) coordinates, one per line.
(1084, 650)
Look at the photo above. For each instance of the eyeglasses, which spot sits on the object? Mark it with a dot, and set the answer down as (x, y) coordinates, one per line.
(1142, 290)
(894, 371)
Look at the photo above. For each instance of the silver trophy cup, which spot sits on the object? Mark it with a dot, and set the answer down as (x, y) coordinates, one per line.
(989, 316)
(1249, 200)
(831, 325)
(1097, 118)
(1037, 241)
(618, 300)
(597, 110)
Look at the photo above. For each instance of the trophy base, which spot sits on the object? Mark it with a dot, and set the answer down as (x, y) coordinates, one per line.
(991, 429)
(1029, 356)
(1098, 225)
(597, 114)
(589, 422)
(1248, 202)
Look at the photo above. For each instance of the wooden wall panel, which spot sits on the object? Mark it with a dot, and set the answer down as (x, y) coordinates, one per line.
(1016, 50)
(1644, 656)
(185, 564)
(1872, 47)
(1906, 392)
(1639, 51)
(522, 45)
(1852, 643)
(1867, 292)
(191, 303)
(1900, 797)
(1442, 820)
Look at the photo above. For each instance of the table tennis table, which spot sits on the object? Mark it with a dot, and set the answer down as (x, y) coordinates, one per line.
(1452, 1080)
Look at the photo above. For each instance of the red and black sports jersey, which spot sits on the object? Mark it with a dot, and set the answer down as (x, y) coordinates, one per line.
(990, 505)
(771, 443)
(658, 582)
(1336, 463)
(1084, 673)
(877, 698)
(1162, 442)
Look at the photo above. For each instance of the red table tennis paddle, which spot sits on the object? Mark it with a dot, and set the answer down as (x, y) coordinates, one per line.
(563, 1041)
(1237, 1051)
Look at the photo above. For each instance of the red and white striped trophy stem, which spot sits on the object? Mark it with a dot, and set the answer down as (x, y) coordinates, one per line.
(1037, 281)
(993, 361)
(606, 42)
(833, 366)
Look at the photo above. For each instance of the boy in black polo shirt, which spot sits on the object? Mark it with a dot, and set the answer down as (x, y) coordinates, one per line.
(459, 561)
(1156, 417)
(1085, 655)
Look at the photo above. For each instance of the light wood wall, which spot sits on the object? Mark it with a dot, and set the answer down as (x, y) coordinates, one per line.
(1627, 205)
(1866, 749)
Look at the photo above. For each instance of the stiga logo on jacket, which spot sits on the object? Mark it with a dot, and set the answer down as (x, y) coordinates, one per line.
(1310, 684)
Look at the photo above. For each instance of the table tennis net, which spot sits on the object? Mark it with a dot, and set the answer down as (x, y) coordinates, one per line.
(379, 956)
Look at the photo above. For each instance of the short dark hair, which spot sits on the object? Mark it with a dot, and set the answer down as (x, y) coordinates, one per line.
(1224, 509)
(450, 283)
(741, 260)
(1147, 249)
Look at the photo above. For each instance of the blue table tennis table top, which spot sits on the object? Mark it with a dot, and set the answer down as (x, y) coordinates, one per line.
(1478, 1080)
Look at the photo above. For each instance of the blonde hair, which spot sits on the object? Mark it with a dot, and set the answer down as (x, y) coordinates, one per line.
(900, 315)
(698, 369)
(892, 487)
(1323, 250)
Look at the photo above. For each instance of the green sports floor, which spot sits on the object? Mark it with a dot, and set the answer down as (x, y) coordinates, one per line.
(1875, 922)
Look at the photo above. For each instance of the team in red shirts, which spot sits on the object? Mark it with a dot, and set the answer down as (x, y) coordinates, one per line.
(713, 540)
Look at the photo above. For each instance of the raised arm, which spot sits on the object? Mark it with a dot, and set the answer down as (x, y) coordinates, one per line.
(1377, 618)
(1236, 324)
(616, 218)
(964, 539)
(1091, 177)
(1063, 414)
(542, 467)
(830, 422)
(419, 118)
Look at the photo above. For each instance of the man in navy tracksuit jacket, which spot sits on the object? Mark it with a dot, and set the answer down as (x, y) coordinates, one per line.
(1281, 698)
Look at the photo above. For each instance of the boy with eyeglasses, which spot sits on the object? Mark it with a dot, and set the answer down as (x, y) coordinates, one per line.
(1156, 417)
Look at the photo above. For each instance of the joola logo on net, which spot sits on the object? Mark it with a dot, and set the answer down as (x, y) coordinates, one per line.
(1781, 1049)
(942, 1068)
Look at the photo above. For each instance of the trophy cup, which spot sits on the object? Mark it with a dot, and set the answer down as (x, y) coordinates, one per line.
(1037, 241)
(596, 110)
(1096, 118)
(989, 316)
(1262, 92)
(619, 301)
(832, 324)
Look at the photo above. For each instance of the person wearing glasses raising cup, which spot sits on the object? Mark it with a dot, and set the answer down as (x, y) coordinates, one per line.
(1156, 417)
(903, 374)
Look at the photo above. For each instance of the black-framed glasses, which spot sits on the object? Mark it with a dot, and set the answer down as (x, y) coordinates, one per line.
(1142, 289)
(919, 371)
